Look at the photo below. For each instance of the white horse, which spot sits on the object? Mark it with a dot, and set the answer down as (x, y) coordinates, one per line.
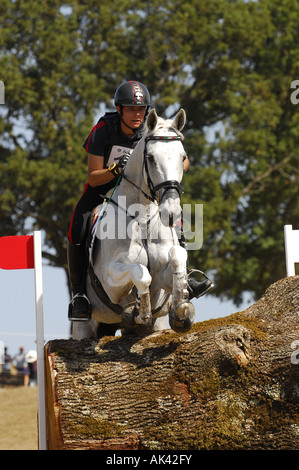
(137, 273)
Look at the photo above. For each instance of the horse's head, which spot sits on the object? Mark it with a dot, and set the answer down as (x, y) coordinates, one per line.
(164, 156)
(177, 124)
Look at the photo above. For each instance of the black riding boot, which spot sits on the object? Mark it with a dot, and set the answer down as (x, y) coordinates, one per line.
(79, 307)
(198, 288)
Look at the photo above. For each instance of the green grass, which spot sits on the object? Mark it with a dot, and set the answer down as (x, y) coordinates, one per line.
(18, 418)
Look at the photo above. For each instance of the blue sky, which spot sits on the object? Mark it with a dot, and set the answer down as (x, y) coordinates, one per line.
(17, 311)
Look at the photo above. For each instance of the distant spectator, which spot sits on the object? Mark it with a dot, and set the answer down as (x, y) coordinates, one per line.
(31, 372)
(19, 362)
(7, 361)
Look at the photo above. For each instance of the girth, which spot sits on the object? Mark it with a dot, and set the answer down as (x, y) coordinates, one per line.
(100, 292)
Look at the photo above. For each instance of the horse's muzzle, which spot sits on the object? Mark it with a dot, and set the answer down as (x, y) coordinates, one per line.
(170, 208)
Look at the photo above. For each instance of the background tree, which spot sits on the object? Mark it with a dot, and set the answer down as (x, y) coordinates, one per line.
(256, 152)
(229, 64)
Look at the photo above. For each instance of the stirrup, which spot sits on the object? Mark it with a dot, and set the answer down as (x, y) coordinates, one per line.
(203, 290)
(83, 315)
(189, 273)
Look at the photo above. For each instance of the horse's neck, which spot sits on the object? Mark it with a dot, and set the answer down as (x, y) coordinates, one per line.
(132, 195)
(132, 186)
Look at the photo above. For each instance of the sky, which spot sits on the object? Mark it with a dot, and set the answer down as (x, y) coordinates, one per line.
(17, 310)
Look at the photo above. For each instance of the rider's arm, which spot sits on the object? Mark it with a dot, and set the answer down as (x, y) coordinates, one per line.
(97, 174)
(186, 163)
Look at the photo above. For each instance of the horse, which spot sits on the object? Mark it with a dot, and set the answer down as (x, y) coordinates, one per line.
(137, 273)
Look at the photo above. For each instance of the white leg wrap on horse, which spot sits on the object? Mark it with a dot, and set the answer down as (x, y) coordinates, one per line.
(120, 274)
(144, 306)
(141, 278)
(142, 283)
(180, 296)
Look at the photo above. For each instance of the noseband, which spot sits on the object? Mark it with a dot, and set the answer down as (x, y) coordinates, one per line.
(168, 184)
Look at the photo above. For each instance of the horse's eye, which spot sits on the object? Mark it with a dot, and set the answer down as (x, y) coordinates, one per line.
(150, 157)
(184, 157)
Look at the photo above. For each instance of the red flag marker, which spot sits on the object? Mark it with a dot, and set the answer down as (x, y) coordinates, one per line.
(17, 252)
(25, 252)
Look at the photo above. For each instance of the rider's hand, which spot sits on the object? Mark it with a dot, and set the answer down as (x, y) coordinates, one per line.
(122, 162)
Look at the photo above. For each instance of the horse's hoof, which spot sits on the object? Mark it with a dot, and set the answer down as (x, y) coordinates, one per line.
(128, 318)
(146, 320)
(133, 318)
(181, 325)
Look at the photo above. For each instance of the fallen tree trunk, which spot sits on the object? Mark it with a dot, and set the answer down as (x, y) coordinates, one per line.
(229, 383)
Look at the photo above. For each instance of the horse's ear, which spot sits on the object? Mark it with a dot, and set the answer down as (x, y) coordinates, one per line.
(152, 120)
(180, 120)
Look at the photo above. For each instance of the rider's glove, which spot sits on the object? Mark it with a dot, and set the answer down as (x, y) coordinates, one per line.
(116, 169)
(122, 162)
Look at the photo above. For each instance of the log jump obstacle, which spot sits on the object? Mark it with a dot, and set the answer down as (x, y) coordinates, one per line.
(229, 383)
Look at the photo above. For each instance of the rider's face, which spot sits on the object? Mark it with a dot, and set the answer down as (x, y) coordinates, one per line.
(132, 116)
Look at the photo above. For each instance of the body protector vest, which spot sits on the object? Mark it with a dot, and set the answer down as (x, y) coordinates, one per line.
(118, 144)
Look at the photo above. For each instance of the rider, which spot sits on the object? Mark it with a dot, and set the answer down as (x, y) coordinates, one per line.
(108, 147)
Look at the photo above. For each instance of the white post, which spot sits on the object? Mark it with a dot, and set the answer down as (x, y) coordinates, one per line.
(289, 250)
(40, 340)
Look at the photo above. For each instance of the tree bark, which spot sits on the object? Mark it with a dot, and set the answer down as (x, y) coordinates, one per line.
(229, 383)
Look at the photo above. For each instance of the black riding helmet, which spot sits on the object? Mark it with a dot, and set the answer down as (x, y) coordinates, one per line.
(132, 93)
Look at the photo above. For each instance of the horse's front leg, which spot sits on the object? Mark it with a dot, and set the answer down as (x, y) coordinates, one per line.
(182, 314)
(84, 329)
(121, 278)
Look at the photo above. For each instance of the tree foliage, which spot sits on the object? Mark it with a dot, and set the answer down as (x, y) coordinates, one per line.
(229, 64)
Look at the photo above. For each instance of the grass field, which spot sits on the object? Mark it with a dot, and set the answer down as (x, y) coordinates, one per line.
(18, 418)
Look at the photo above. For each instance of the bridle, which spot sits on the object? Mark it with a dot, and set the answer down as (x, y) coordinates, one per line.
(166, 185)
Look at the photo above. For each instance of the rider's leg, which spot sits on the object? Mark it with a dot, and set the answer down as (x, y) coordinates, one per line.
(79, 307)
